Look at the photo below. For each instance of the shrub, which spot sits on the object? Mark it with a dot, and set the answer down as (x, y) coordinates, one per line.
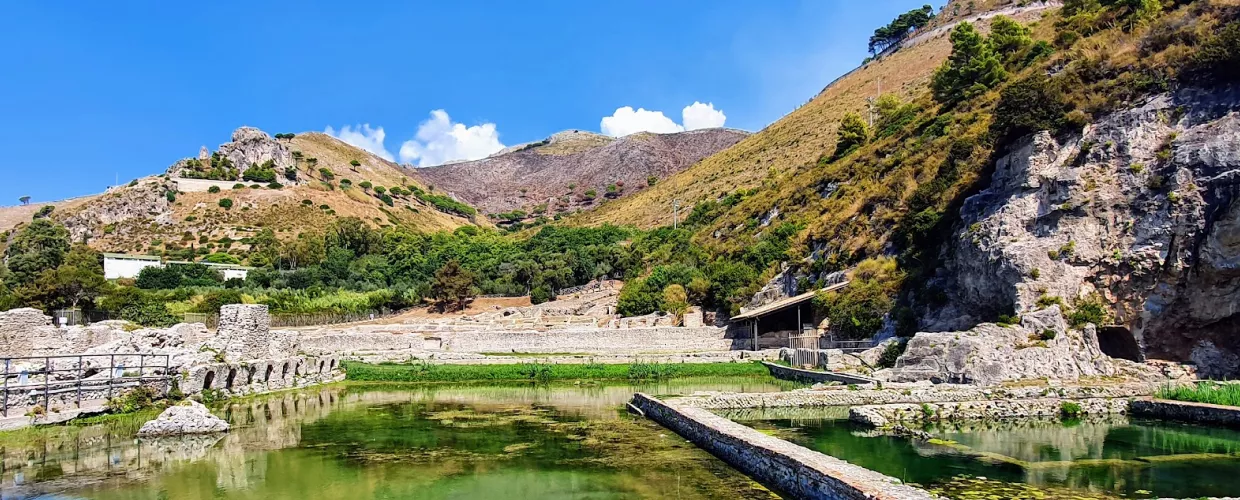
(386, 199)
(238, 186)
(327, 173)
(365, 185)
(139, 398)
(380, 189)
(226, 203)
(275, 185)
(891, 353)
(171, 196)
(1070, 410)
(652, 180)
(1088, 310)
(45, 211)
(852, 134)
(1047, 334)
(213, 189)
(1030, 105)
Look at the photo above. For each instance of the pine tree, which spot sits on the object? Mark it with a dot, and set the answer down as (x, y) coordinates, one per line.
(972, 69)
(453, 286)
(852, 134)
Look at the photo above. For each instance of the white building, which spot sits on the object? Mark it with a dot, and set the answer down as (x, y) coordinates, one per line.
(118, 265)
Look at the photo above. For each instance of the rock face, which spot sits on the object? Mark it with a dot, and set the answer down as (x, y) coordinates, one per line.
(251, 146)
(1042, 346)
(123, 209)
(1139, 211)
(187, 417)
(539, 173)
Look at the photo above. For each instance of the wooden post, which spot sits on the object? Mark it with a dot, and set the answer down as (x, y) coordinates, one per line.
(755, 334)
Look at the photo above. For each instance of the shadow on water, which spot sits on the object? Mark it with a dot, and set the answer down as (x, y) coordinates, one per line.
(1103, 457)
(393, 441)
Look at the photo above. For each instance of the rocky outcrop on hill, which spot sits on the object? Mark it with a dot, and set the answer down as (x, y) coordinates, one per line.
(134, 207)
(1138, 213)
(540, 173)
(186, 417)
(249, 147)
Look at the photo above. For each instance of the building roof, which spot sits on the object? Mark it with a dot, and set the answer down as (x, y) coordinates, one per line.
(131, 256)
(785, 303)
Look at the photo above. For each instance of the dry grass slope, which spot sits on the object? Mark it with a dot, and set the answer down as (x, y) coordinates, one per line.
(796, 140)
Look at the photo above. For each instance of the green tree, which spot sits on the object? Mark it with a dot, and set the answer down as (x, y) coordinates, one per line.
(78, 280)
(972, 69)
(226, 203)
(25, 200)
(852, 134)
(675, 301)
(1008, 37)
(453, 286)
(221, 258)
(38, 247)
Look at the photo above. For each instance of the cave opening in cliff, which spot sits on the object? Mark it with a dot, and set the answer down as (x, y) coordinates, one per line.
(1117, 342)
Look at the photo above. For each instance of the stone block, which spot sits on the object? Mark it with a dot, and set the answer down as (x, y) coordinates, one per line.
(246, 331)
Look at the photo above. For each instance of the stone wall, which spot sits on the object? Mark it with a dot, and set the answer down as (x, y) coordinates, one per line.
(814, 376)
(792, 469)
(663, 339)
(909, 393)
(1050, 408)
(1198, 413)
(261, 375)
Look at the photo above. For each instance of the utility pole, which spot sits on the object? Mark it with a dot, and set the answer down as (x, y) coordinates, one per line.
(675, 209)
(871, 103)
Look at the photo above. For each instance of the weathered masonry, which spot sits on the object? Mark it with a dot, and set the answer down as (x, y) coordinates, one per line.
(792, 469)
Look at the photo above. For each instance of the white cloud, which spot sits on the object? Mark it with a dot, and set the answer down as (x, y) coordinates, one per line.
(698, 115)
(627, 121)
(362, 136)
(439, 141)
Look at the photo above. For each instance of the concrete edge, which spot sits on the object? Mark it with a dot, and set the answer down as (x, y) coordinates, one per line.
(1185, 411)
(796, 470)
(802, 375)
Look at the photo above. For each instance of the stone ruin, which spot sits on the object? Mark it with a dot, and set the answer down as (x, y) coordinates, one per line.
(243, 356)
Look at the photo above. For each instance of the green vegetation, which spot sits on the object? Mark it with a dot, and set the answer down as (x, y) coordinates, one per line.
(973, 68)
(1070, 410)
(1204, 392)
(226, 203)
(853, 134)
(900, 27)
(219, 168)
(213, 189)
(537, 372)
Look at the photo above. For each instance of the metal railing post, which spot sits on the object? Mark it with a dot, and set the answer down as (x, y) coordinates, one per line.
(7, 361)
(111, 373)
(79, 382)
(47, 380)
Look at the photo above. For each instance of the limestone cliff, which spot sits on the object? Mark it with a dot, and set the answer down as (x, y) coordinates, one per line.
(1138, 210)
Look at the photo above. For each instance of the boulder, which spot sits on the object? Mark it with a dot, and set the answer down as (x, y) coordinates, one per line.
(1041, 346)
(186, 417)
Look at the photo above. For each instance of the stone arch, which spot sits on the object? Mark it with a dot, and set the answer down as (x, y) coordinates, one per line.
(284, 372)
(249, 376)
(332, 366)
(297, 369)
(267, 376)
(232, 376)
(208, 380)
(322, 364)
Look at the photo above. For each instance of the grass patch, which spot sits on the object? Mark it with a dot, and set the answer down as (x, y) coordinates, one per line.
(540, 372)
(1204, 392)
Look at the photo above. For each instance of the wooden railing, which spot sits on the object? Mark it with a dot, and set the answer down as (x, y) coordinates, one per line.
(40, 380)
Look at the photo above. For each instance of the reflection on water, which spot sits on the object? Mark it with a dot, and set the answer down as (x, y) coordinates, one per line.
(1109, 456)
(392, 441)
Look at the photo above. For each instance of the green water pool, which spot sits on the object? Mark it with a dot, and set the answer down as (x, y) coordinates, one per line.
(1098, 458)
(392, 441)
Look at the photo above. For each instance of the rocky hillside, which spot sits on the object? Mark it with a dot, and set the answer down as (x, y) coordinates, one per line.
(807, 133)
(1138, 211)
(573, 169)
(216, 200)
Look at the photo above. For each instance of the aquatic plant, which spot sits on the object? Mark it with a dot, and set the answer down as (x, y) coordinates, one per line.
(1203, 392)
(1070, 409)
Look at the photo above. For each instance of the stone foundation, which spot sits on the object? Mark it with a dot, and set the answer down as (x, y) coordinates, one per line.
(897, 393)
(261, 375)
(1049, 408)
(795, 470)
(600, 340)
(815, 376)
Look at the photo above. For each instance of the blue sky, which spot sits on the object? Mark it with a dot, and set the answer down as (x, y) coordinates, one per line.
(93, 90)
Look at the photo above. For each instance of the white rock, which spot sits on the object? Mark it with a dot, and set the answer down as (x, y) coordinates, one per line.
(187, 417)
